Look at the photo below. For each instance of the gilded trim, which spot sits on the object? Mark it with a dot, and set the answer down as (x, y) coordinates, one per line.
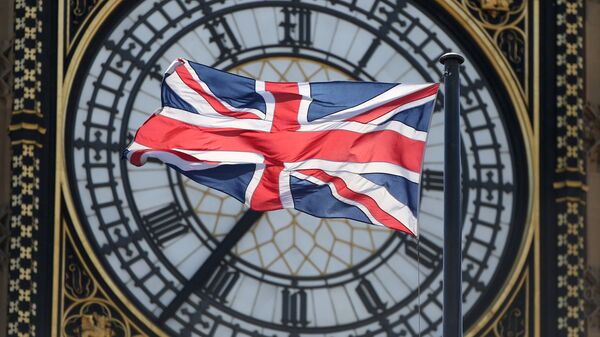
(536, 166)
(570, 183)
(27, 126)
(27, 111)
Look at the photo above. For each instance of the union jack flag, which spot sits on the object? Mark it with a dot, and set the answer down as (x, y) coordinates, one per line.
(330, 149)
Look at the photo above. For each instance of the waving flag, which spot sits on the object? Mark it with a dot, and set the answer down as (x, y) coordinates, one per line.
(331, 149)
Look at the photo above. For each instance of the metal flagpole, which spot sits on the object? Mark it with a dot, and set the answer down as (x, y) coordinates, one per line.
(453, 326)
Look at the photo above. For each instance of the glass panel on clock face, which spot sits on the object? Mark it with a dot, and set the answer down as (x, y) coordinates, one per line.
(153, 229)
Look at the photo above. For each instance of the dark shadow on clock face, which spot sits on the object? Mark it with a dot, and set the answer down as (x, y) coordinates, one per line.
(199, 263)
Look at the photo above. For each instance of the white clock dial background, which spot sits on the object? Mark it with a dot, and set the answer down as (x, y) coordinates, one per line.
(153, 228)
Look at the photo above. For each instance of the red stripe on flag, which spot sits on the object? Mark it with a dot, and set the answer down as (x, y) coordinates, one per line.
(391, 105)
(136, 157)
(266, 194)
(286, 146)
(285, 117)
(287, 104)
(343, 190)
(189, 80)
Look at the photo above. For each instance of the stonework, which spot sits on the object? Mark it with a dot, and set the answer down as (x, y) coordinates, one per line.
(592, 47)
(6, 66)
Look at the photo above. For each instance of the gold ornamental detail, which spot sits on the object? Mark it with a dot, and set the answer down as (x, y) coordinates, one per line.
(514, 318)
(496, 15)
(496, 7)
(88, 311)
(79, 14)
(505, 22)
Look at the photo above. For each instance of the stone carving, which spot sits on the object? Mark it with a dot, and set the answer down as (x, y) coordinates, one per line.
(591, 131)
(591, 294)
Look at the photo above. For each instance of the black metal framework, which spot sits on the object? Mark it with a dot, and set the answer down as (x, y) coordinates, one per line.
(101, 141)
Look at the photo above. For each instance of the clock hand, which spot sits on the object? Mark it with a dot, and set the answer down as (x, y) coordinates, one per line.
(208, 267)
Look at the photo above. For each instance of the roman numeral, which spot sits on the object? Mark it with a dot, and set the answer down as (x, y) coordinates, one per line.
(296, 33)
(391, 16)
(428, 254)
(211, 263)
(223, 37)
(433, 180)
(367, 56)
(222, 283)
(88, 165)
(369, 297)
(294, 308)
(165, 224)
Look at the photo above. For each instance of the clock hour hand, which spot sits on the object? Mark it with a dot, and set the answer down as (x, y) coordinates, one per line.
(205, 271)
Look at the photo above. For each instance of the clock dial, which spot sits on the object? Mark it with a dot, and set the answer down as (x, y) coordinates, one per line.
(200, 263)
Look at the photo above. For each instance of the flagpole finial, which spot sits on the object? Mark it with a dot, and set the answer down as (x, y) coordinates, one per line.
(452, 56)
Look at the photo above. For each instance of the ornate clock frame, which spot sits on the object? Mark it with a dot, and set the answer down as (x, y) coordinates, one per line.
(52, 286)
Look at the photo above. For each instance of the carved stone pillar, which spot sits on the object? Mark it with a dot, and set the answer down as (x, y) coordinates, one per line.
(6, 71)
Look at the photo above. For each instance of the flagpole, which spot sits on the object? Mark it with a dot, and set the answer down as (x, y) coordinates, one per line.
(452, 326)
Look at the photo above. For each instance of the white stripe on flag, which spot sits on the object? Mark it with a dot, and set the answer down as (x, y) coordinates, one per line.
(190, 96)
(359, 168)
(225, 157)
(404, 107)
(170, 158)
(256, 177)
(304, 90)
(285, 191)
(381, 196)
(357, 127)
(268, 97)
(216, 122)
(206, 89)
(392, 94)
(334, 192)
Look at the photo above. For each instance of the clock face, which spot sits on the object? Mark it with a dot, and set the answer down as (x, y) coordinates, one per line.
(199, 263)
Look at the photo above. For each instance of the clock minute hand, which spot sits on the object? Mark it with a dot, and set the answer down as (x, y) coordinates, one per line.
(208, 267)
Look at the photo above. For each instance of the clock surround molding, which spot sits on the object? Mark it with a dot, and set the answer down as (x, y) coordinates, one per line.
(479, 35)
(527, 268)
